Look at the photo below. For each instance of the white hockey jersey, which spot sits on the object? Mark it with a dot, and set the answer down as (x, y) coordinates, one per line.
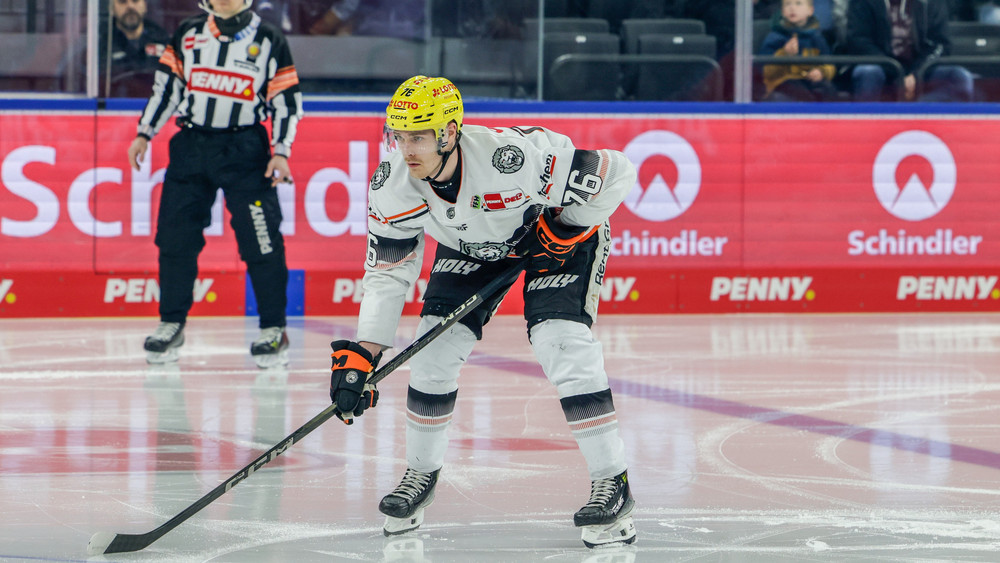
(507, 176)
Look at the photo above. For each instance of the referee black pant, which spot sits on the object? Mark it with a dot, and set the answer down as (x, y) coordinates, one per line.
(201, 162)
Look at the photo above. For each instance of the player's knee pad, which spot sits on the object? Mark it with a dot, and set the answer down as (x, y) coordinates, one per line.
(570, 356)
(435, 369)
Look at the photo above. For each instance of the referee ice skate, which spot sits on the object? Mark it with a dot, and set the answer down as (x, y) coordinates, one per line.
(490, 197)
(224, 73)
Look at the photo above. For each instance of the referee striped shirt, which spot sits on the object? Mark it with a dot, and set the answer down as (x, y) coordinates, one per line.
(215, 81)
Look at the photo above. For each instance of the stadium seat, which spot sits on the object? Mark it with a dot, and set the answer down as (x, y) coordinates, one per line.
(632, 28)
(688, 70)
(497, 75)
(568, 80)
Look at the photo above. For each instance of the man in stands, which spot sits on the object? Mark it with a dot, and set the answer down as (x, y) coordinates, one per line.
(136, 46)
(914, 33)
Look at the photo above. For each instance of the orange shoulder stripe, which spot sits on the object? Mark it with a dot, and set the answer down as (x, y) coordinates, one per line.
(405, 213)
(169, 58)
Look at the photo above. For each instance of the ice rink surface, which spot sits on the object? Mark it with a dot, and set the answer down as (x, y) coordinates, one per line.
(749, 437)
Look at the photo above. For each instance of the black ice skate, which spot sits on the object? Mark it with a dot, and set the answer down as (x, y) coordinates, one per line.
(404, 507)
(607, 518)
(271, 347)
(163, 345)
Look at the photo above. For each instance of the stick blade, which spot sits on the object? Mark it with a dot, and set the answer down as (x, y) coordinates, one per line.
(100, 542)
(107, 542)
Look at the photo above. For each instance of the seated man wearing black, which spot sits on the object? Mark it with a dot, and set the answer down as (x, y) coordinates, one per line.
(136, 46)
(913, 33)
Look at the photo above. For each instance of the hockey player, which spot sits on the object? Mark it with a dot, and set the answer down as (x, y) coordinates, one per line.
(489, 197)
(224, 72)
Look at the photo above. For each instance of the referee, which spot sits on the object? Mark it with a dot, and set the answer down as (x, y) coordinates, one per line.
(223, 73)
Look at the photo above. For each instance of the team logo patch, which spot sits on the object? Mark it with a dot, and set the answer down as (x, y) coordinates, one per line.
(380, 176)
(485, 251)
(253, 50)
(450, 212)
(508, 159)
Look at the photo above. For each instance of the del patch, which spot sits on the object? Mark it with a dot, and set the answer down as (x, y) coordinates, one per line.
(496, 201)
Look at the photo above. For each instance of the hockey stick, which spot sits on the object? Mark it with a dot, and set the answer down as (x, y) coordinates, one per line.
(107, 542)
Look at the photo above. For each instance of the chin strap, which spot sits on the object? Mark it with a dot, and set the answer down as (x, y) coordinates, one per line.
(444, 161)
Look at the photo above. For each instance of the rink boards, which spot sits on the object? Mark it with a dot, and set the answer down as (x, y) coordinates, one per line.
(733, 211)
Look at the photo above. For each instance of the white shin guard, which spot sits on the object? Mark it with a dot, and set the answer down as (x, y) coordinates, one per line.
(573, 361)
(434, 371)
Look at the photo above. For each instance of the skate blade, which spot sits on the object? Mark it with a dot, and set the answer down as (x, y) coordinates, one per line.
(620, 532)
(395, 526)
(265, 361)
(165, 357)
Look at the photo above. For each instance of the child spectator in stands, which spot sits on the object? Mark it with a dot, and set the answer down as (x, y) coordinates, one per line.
(136, 46)
(797, 34)
(914, 33)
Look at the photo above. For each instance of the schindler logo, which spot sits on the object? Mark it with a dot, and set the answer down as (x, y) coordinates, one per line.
(658, 200)
(900, 187)
(914, 178)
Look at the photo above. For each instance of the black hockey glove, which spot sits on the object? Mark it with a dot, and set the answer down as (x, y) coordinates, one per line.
(349, 388)
(552, 243)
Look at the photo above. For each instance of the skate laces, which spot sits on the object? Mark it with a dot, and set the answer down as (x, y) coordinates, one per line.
(270, 335)
(601, 491)
(166, 331)
(414, 482)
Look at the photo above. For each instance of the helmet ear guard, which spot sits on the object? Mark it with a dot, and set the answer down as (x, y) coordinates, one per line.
(421, 103)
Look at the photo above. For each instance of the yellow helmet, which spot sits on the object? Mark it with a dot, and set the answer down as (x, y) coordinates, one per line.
(424, 102)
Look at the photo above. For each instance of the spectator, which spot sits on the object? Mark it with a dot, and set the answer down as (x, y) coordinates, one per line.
(136, 46)
(914, 33)
(797, 34)
(388, 18)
